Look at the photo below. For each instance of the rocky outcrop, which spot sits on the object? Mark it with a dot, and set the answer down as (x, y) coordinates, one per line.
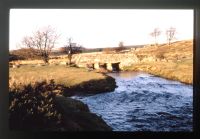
(77, 116)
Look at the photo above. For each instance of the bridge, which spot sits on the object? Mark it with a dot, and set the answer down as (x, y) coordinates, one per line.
(107, 61)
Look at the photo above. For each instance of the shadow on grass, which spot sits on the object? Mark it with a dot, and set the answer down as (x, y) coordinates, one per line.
(92, 87)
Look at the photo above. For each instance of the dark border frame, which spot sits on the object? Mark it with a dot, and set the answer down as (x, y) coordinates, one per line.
(94, 4)
(196, 72)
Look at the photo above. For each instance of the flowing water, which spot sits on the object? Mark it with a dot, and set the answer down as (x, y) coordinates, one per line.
(143, 102)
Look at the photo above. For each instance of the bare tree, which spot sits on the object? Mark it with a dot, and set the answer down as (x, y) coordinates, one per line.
(42, 42)
(155, 34)
(120, 47)
(70, 49)
(170, 34)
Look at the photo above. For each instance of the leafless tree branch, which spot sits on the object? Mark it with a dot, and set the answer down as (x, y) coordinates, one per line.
(155, 34)
(170, 34)
(43, 41)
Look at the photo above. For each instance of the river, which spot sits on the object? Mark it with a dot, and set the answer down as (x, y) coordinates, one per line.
(144, 102)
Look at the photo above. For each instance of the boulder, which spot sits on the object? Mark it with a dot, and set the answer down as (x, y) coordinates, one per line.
(77, 116)
(15, 66)
(63, 63)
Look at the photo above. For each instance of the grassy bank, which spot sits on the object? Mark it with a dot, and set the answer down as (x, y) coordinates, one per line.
(173, 62)
(39, 108)
(37, 98)
(180, 71)
(76, 79)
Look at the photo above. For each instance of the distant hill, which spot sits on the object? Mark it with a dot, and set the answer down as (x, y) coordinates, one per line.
(88, 50)
(134, 46)
(179, 50)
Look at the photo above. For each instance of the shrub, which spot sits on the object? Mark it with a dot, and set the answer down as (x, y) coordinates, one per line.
(13, 57)
(34, 107)
(108, 50)
(24, 54)
(160, 55)
(140, 57)
(120, 48)
(113, 49)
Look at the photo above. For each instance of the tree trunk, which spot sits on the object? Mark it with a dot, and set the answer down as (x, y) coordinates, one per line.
(69, 59)
(46, 59)
(169, 42)
(155, 41)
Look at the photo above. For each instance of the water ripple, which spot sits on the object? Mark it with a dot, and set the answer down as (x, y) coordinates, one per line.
(144, 102)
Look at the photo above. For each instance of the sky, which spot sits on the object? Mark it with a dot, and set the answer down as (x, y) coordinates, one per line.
(99, 28)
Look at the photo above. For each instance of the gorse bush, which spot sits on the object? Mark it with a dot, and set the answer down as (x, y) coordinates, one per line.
(33, 107)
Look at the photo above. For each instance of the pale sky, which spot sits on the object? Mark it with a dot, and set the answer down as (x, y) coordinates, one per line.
(94, 28)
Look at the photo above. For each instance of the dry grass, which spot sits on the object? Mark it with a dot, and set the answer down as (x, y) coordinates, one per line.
(181, 71)
(181, 47)
(68, 76)
(178, 63)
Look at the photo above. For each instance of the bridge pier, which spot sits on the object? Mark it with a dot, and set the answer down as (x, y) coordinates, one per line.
(113, 66)
(96, 66)
(103, 65)
(109, 66)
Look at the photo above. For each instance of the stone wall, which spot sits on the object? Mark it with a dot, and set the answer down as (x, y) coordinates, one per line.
(124, 59)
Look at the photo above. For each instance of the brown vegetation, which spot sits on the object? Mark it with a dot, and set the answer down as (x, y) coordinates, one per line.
(113, 50)
(33, 107)
(173, 62)
(24, 54)
(108, 50)
(67, 76)
(42, 107)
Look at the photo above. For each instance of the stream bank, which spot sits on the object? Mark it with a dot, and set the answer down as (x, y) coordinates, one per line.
(177, 71)
(39, 98)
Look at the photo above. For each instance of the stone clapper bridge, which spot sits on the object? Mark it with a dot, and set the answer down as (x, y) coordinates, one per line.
(110, 62)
